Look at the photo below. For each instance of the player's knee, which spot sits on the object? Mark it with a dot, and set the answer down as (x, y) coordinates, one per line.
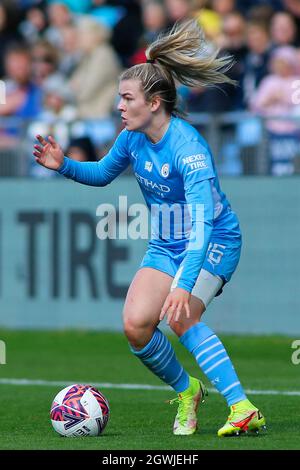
(137, 332)
(138, 338)
(130, 330)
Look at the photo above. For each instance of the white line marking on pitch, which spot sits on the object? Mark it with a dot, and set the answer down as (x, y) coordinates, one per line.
(60, 383)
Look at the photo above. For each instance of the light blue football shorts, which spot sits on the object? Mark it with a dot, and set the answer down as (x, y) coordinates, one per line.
(221, 260)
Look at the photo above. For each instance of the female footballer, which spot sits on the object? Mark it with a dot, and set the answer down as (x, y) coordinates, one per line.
(184, 270)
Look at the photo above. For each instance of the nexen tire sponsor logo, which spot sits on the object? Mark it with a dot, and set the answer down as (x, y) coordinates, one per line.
(195, 162)
(151, 184)
(194, 158)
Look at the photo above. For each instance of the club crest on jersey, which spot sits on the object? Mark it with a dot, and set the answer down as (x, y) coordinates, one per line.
(165, 170)
(148, 166)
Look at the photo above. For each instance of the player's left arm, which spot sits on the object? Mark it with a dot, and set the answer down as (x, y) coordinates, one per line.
(198, 194)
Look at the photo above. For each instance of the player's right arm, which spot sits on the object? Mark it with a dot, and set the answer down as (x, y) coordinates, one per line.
(50, 155)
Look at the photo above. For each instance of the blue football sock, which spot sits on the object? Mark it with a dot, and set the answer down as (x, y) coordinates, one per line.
(214, 361)
(159, 356)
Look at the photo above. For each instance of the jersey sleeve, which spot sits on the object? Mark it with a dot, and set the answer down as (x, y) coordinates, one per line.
(103, 172)
(201, 207)
(194, 163)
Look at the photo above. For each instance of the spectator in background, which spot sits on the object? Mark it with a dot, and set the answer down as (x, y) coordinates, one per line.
(154, 16)
(55, 93)
(233, 36)
(257, 59)
(59, 16)
(9, 34)
(70, 55)
(248, 129)
(260, 14)
(283, 29)
(210, 15)
(155, 20)
(223, 7)
(274, 97)
(128, 30)
(178, 10)
(94, 81)
(45, 59)
(293, 7)
(23, 97)
(59, 101)
(233, 42)
(34, 25)
(56, 117)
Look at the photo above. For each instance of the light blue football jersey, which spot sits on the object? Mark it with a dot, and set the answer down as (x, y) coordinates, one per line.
(176, 173)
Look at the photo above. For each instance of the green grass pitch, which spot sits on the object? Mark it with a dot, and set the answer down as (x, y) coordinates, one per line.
(140, 419)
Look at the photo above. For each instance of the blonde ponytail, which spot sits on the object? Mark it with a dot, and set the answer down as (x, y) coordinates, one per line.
(183, 55)
(186, 54)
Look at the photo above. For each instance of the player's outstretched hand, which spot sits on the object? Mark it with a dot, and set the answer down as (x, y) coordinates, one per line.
(49, 154)
(177, 302)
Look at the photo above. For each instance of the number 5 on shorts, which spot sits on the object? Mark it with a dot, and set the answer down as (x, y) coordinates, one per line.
(215, 253)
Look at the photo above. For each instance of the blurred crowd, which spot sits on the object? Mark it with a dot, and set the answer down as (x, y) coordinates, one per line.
(60, 61)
